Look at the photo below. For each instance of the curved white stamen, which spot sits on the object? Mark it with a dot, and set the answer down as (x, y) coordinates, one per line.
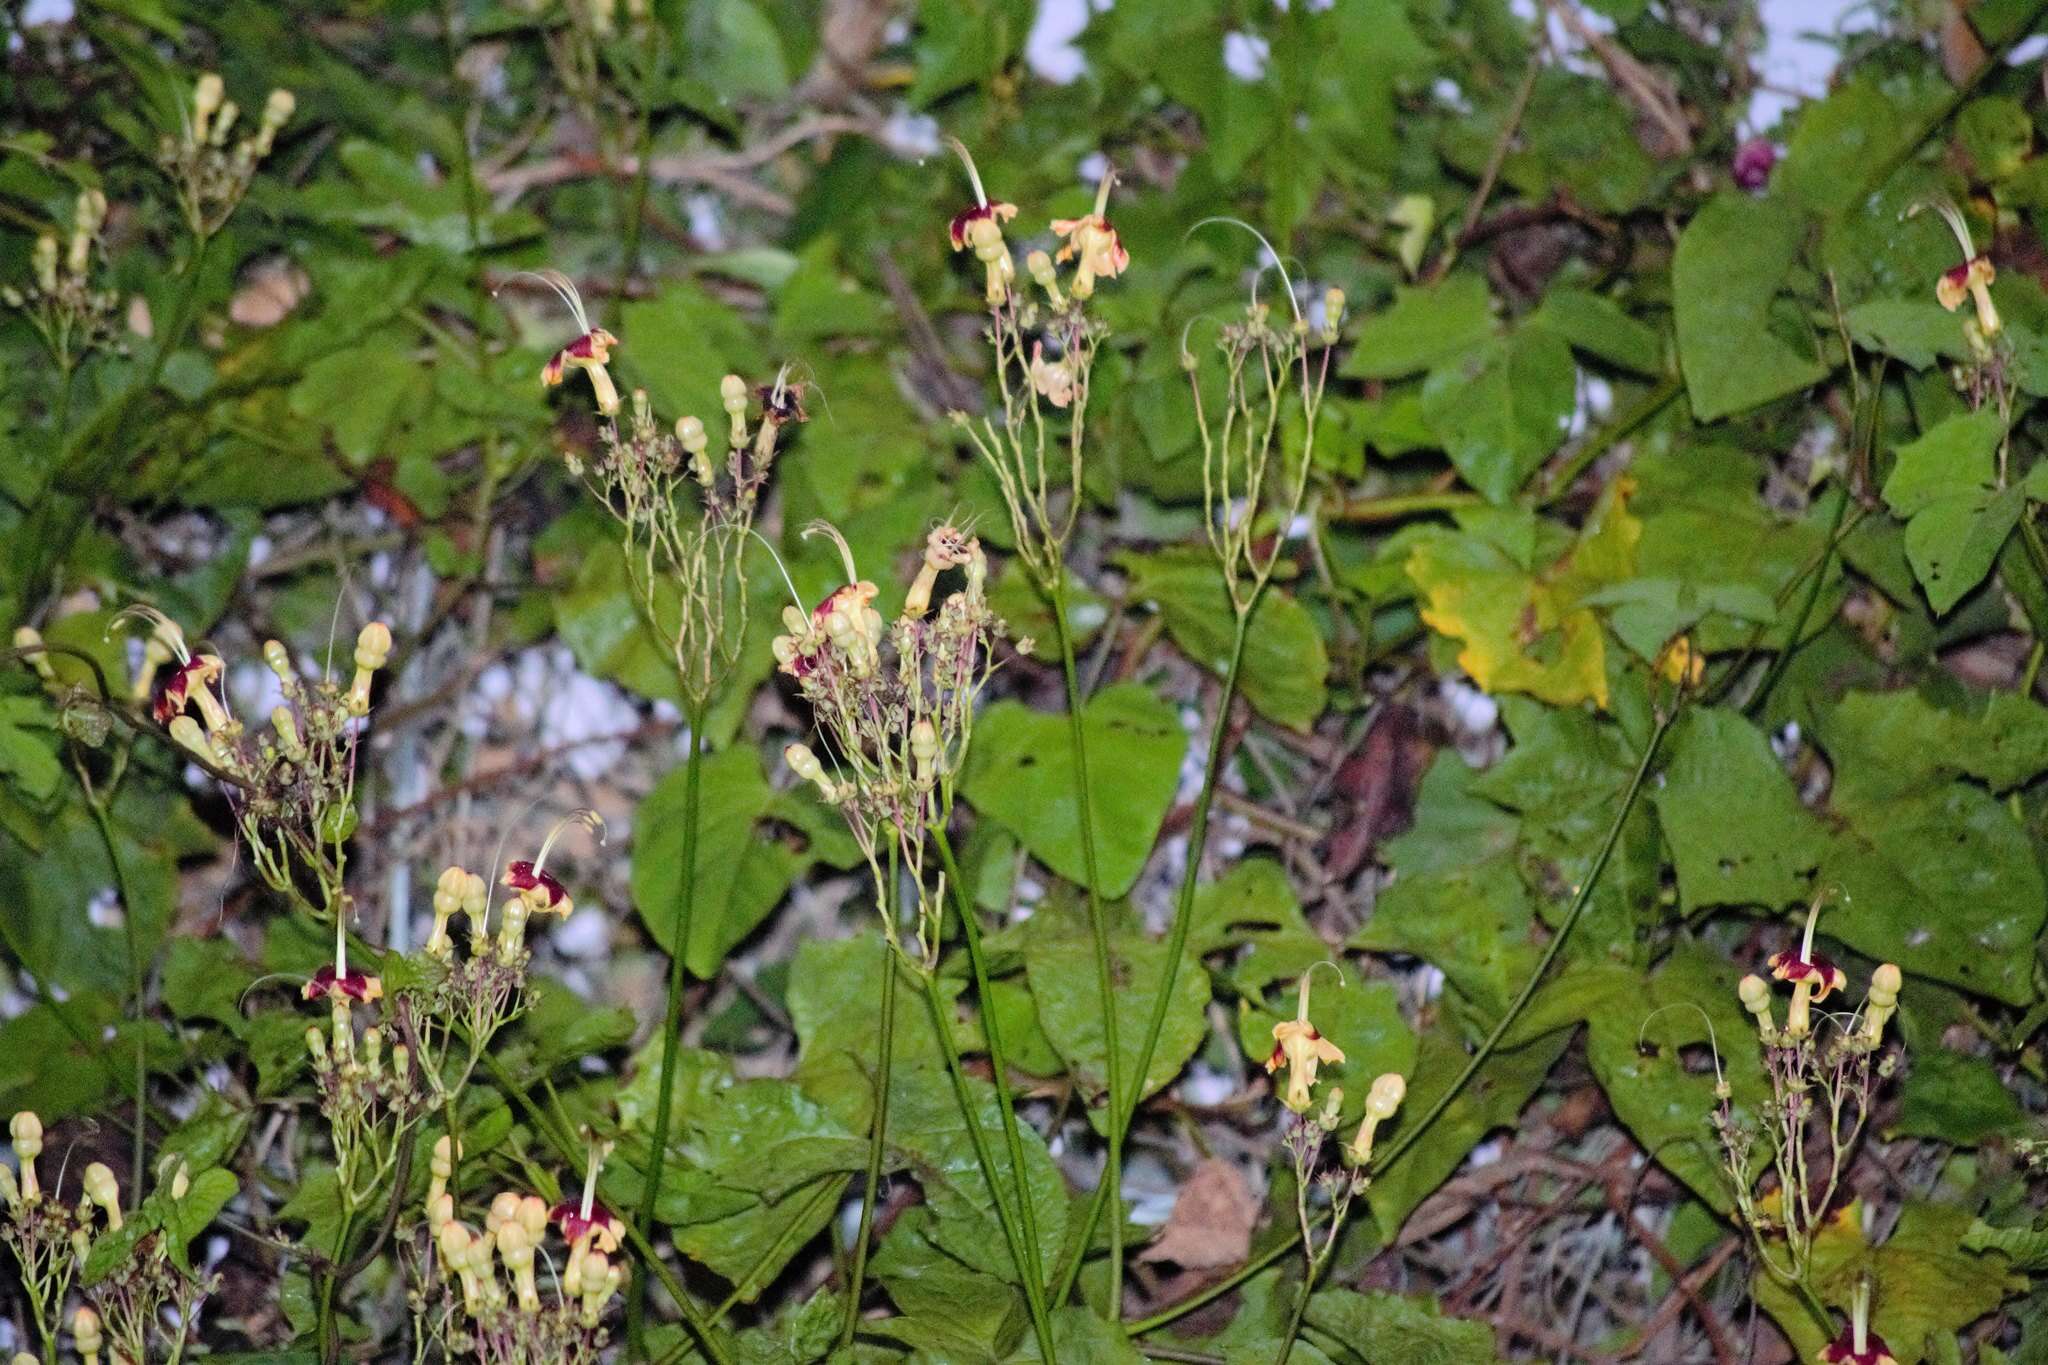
(826, 528)
(1953, 216)
(973, 175)
(1102, 190)
(161, 626)
(1278, 264)
(1806, 943)
(565, 289)
(1301, 1003)
(586, 817)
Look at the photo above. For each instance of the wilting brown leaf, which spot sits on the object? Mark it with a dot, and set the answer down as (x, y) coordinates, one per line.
(1212, 1220)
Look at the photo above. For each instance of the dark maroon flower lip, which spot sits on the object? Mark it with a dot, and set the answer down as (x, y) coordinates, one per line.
(782, 403)
(520, 876)
(356, 985)
(975, 213)
(594, 345)
(1842, 1350)
(1822, 972)
(576, 1225)
(177, 689)
(1960, 275)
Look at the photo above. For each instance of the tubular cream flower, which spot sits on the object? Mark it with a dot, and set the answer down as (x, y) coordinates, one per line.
(590, 352)
(1092, 244)
(1380, 1103)
(1298, 1047)
(373, 651)
(1813, 978)
(27, 1132)
(85, 1333)
(1883, 1001)
(981, 227)
(1972, 279)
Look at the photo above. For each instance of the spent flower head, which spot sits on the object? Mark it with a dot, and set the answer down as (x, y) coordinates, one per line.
(895, 703)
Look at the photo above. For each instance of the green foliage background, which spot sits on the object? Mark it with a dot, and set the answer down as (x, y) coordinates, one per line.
(1592, 398)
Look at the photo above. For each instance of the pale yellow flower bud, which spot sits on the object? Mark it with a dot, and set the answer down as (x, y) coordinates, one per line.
(104, 1191)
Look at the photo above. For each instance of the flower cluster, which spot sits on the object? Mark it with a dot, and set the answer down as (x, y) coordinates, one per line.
(131, 1276)
(1044, 350)
(896, 704)
(291, 783)
(1252, 484)
(209, 173)
(60, 303)
(1785, 1164)
(1302, 1049)
(478, 1292)
(686, 516)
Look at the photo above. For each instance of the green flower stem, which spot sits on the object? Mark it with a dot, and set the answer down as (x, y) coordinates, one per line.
(571, 1154)
(1308, 1284)
(883, 1066)
(1412, 1132)
(329, 1335)
(1105, 984)
(1177, 938)
(970, 927)
(138, 983)
(1034, 1298)
(672, 1019)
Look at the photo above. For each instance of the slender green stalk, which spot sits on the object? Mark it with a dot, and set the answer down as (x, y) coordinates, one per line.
(1105, 983)
(1041, 1325)
(567, 1151)
(1783, 660)
(883, 1066)
(970, 927)
(672, 1018)
(328, 1333)
(138, 981)
(1177, 938)
(1308, 1284)
(1412, 1132)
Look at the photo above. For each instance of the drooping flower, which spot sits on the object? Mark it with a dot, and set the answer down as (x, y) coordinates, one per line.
(590, 352)
(1298, 1047)
(980, 226)
(1813, 977)
(542, 890)
(347, 983)
(1972, 279)
(1092, 244)
(1053, 379)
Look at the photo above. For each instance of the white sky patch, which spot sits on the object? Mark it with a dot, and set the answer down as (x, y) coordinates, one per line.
(1049, 49)
(1245, 55)
(1799, 52)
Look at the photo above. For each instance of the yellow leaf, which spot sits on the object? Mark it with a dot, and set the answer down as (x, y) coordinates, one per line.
(1524, 631)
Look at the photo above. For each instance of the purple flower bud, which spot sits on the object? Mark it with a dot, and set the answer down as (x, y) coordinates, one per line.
(1753, 162)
